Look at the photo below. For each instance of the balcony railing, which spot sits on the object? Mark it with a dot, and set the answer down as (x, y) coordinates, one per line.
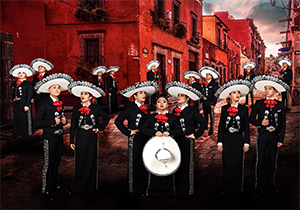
(195, 37)
(84, 61)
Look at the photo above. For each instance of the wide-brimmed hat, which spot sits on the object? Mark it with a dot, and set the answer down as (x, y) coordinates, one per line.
(261, 81)
(151, 63)
(113, 68)
(99, 68)
(41, 62)
(161, 156)
(282, 60)
(176, 87)
(188, 74)
(249, 63)
(150, 87)
(206, 69)
(61, 79)
(14, 71)
(76, 87)
(243, 86)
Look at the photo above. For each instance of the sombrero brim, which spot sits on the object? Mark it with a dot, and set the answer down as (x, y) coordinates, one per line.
(214, 74)
(176, 87)
(252, 65)
(41, 62)
(61, 79)
(244, 90)
(153, 165)
(260, 85)
(100, 68)
(21, 68)
(149, 87)
(76, 91)
(151, 63)
(189, 74)
(114, 68)
(284, 61)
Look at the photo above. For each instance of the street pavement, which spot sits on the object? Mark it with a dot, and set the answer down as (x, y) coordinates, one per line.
(21, 174)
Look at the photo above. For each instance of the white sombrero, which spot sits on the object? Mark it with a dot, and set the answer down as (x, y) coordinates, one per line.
(76, 87)
(14, 71)
(189, 74)
(261, 81)
(161, 156)
(176, 87)
(41, 62)
(99, 68)
(151, 63)
(150, 87)
(243, 86)
(206, 69)
(113, 68)
(284, 60)
(249, 63)
(61, 79)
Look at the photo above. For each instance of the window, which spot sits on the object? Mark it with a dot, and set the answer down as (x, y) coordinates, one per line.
(194, 25)
(219, 37)
(160, 8)
(225, 41)
(193, 61)
(176, 12)
(93, 3)
(92, 51)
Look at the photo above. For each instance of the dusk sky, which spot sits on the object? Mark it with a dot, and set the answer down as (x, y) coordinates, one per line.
(264, 15)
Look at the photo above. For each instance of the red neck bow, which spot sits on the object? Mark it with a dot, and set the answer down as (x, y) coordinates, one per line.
(248, 72)
(161, 118)
(84, 109)
(177, 111)
(144, 108)
(206, 83)
(282, 70)
(19, 82)
(58, 105)
(100, 80)
(270, 103)
(40, 76)
(232, 110)
(154, 72)
(190, 83)
(114, 77)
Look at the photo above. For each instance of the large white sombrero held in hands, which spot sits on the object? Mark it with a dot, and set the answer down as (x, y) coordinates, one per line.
(189, 74)
(261, 81)
(249, 63)
(113, 68)
(76, 87)
(161, 156)
(206, 69)
(14, 71)
(176, 87)
(150, 87)
(282, 60)
(41, 62)
(103, 69)
(243, 86)
(151, 63)
(61, 79)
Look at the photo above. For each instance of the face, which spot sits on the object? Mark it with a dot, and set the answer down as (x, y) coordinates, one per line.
(208, 76)
(21, 75)
(140, 96)
(182, 98)
(248, 68)
(99, 73)
(153, 67)
(85, 97)
(235, 95)
(41, 69)
(112, 72)
(269, 91)
(161, 103)
(285, 65)
(54, 90)
(192, 79)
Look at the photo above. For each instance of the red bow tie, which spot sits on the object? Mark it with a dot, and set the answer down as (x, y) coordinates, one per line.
(177, 111)
(40, 76)
(248, 72)
(58, 105)
(206, 83)
(84, 109)
(100, 80)
(161, 118)
(144, 108)
(282, 70)
(19, 82)
(232, 111)
(155, 72)
(270, 103)
(190, 83)
(114, 77)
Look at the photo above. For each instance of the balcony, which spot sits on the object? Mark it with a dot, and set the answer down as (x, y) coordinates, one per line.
(195, 37)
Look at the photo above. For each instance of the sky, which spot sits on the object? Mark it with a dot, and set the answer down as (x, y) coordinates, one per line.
(265, 17)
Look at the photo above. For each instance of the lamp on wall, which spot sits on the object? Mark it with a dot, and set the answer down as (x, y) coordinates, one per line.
(145, 51)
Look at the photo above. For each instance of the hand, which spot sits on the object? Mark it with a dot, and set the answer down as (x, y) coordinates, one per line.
(63, 120)
(96, 130)
(32, 101)
(279, 144)
(166, 133)
(57, 120)
(14, 99)
(26, 108)
(220, 148)
(159, 134)
(265, 122)
(212, 107)
(191, 136)
(132, 132)
(104, 95)
(246, 148)
(109, 94)
(72, 146)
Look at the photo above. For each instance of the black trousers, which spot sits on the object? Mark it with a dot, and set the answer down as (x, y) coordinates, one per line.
(267, 140)
(285, 99)
(207, 110)
(52, 154)
(252, 99)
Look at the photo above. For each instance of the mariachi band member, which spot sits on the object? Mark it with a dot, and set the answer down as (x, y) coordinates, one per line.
(269, 116)
(233, 134)
(41, 66)
(136, 113)
(51, 118)
(192, 76)
(208, 90)
(84, 135)
(249, 75)
(22, 93)
(112, 89)
(192, 124)
(152, 75)
(161, 124)
(286, 75)
(99, 81)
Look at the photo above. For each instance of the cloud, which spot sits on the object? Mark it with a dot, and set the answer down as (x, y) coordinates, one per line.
(209, 9)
